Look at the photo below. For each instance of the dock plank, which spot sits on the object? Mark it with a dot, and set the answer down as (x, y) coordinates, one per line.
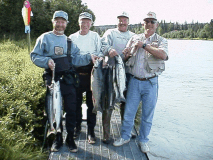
(99, 150)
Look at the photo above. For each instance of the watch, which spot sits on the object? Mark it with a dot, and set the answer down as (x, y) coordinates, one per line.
(144, 45)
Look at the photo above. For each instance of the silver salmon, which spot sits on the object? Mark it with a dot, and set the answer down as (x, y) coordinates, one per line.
(54, 106)
(120, 77)
(57, 105)
(50, 112)
(97, 85)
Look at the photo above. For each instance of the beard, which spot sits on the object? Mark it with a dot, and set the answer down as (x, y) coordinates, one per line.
(59, 30)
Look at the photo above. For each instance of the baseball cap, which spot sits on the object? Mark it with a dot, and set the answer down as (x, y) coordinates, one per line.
(123, 14)
(151, 15)
(61, 14)
(85, 15)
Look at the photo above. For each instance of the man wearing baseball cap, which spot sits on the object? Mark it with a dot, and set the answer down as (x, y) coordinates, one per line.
(151, 50)
(88, 42)
(52, 53)
(113, 43)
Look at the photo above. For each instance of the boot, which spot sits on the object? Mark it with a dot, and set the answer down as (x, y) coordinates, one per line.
(71, 143)
(91, 136)
(58, 142)
(77, 131)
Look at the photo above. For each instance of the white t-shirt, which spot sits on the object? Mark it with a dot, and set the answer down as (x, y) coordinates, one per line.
(89, 43)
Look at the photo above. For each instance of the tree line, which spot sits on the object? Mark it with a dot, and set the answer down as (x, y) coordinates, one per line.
(171, 30)
(190, 31)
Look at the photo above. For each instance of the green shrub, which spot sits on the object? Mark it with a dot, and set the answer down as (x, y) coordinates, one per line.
(22, 103)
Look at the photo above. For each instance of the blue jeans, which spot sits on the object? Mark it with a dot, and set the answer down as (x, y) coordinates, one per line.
(147, 92)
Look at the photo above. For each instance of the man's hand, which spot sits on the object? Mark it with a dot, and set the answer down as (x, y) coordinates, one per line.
(127, 52)
(94, 57)
(51, 64)
(113, 53)
(138, 44)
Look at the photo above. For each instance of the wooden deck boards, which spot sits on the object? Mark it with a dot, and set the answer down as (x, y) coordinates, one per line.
(99, 150)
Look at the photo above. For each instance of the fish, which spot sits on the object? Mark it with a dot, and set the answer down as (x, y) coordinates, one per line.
(54, 106)
(57, 105)
(120, 77)
(104, 93)
(49, 111)
(97, 85)
(115, 86)
(110, 95)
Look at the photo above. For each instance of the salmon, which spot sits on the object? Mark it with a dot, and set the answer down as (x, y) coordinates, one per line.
(97, 85)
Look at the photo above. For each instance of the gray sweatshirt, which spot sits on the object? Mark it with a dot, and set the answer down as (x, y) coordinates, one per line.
(50, 46)
(115, 39)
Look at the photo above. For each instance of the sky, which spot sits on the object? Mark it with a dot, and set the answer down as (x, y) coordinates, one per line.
(180, 11)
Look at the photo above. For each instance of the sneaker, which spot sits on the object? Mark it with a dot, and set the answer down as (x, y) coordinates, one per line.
(58, 142)
(71, 144)
(91, 139)
(120, 142)
(77, 132)
(91, 136)
(144, 147)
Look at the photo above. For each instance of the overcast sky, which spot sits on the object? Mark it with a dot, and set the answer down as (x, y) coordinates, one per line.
(180, 11)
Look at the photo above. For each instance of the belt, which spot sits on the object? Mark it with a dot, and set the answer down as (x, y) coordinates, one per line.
(83, 74)
(144, 79)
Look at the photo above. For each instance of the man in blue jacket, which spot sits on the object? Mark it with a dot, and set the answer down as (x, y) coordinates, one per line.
(51, 47)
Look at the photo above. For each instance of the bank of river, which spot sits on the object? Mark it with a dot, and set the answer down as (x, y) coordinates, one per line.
(183, 120)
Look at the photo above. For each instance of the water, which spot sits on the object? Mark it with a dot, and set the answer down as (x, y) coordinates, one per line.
(183, 121)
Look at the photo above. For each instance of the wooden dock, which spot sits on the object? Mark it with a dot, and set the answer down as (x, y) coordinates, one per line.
(99, 150)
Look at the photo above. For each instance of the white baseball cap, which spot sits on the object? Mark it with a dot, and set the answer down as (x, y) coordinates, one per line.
(123, 14)
(151, 15)
(85, 15)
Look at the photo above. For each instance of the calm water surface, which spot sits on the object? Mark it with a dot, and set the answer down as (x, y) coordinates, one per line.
(183, 121)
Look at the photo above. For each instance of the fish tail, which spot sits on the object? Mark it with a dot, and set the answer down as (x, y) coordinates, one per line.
(51, 131)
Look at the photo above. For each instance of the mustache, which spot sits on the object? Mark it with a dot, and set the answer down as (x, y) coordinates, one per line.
(122, 24)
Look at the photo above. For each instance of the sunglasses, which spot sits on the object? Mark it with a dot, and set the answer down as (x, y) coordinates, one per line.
(152, 21)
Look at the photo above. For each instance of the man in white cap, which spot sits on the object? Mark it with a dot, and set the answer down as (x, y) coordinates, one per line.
(53, 52)
(113, 43)
(88, 42)
(145, 66)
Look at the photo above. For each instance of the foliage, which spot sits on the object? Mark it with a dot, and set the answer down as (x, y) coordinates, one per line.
(11, 21)
(189, 31)
(22, 103)
(171, 30)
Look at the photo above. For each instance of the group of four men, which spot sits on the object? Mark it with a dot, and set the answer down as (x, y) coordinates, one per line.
(142, 72)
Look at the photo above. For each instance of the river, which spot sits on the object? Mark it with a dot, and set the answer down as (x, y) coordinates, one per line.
(183, 120)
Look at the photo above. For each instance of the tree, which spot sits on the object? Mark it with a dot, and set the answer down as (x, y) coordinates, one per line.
(208, 28)
(160, 30)
(202, 34)
(211, 28)
(171, 26)
(11, 21)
